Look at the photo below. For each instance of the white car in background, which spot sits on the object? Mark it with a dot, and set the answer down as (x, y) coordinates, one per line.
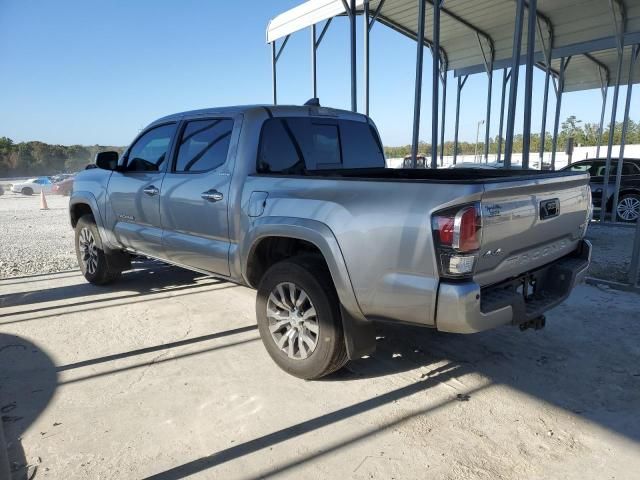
(33, 185)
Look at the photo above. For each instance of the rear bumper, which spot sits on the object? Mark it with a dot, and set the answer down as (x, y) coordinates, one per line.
(468, 308)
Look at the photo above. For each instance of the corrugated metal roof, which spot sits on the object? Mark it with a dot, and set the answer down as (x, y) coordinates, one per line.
(579, 26)
(582, 71)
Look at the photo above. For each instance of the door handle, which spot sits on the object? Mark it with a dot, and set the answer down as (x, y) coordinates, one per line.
(212, 195)
(151, 190)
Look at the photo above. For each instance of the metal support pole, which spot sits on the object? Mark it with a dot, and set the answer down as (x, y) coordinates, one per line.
(444, 102)
(352, 27)
(435, 77)
(488, 119)
(634, 270)
(274, 60)
(625, 125)
(274, 79)
(604, 91)
(547, 47)
(488, 67)
(505, 79)
(315, 43)
(528, 84)
(543, 127)
(513, 87)
(314, 78)
(612, 126)
(418, 89)
(366, 55)
(556, 124)
(461, 83)
(619, 21)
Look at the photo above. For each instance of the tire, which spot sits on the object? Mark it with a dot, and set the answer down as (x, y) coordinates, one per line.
(628, 208)
(308, 275)
(97, 266)
(27, 191)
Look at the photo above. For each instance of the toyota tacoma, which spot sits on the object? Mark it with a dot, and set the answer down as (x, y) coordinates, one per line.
(296, 202)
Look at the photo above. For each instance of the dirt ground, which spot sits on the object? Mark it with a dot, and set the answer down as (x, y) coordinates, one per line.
(612, 250)
(163, 376)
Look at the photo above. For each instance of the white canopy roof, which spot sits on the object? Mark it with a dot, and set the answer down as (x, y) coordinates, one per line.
(579, 26)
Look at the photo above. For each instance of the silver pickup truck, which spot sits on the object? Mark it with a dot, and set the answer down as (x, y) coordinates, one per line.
(296, 202)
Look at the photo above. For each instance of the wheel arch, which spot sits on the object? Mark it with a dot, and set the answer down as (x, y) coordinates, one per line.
(82, 203)
(312, 236)
(304, 233)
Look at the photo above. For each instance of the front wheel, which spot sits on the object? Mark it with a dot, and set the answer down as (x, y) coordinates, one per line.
(27, 191)
(299, 318)
(628, 208)
(95, 264)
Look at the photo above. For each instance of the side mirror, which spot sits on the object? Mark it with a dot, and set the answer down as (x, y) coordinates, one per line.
(107, 160)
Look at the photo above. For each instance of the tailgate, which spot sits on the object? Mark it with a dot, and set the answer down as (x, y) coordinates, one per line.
(527, 223)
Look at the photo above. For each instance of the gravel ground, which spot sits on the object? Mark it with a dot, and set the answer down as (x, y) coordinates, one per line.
(612, 247)
(162, 375)
(34, 240)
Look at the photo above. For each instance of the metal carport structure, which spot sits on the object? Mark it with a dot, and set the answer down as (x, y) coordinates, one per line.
(580, 44)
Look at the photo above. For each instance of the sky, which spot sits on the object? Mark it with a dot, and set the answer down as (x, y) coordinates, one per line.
(96, 72)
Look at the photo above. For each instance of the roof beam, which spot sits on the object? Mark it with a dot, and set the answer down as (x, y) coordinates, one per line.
(413, 36)
(604, 43)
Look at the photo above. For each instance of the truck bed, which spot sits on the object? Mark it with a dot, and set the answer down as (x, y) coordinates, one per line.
(448, 175)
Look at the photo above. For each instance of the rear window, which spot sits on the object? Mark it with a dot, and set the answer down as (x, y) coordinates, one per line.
(204, 145)
(293, 145)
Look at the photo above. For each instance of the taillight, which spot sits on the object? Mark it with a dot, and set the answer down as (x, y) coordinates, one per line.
(457, 235)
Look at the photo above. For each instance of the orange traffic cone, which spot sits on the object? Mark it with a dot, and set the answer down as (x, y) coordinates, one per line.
(43, 201)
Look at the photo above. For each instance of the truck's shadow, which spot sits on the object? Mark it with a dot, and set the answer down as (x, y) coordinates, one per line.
(28, 380)
(147, 280)
(598, 380)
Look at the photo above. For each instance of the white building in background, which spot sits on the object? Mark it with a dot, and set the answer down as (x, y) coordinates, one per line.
(562, 159)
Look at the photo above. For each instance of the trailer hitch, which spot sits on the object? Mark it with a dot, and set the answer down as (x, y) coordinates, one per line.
(537, 323)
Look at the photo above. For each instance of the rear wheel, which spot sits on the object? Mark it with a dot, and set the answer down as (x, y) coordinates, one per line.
(299, 318)
(97, 266)
(27, 191)
(628, 208)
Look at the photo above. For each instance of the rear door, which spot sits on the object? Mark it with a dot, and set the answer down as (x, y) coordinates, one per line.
(528, 223)
(134, 194)
(195, 195)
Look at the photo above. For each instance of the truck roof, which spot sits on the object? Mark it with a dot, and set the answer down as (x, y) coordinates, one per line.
(275, 110)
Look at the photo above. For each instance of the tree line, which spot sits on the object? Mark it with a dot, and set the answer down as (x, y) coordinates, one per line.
(39, 158)
(585, 135)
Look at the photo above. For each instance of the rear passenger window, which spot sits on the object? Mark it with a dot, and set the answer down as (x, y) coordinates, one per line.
(279, 151)
(204, 145)
(293, 145)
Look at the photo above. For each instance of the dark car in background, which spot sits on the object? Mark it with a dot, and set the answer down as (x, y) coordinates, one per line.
(628, 207)
(63, 187)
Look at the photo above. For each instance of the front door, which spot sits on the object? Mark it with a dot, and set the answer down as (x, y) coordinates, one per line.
(195, 196)
(134, 193)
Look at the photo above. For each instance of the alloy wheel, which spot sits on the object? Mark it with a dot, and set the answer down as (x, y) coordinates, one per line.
(629, 209)
(88, 251)
(292, 320)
